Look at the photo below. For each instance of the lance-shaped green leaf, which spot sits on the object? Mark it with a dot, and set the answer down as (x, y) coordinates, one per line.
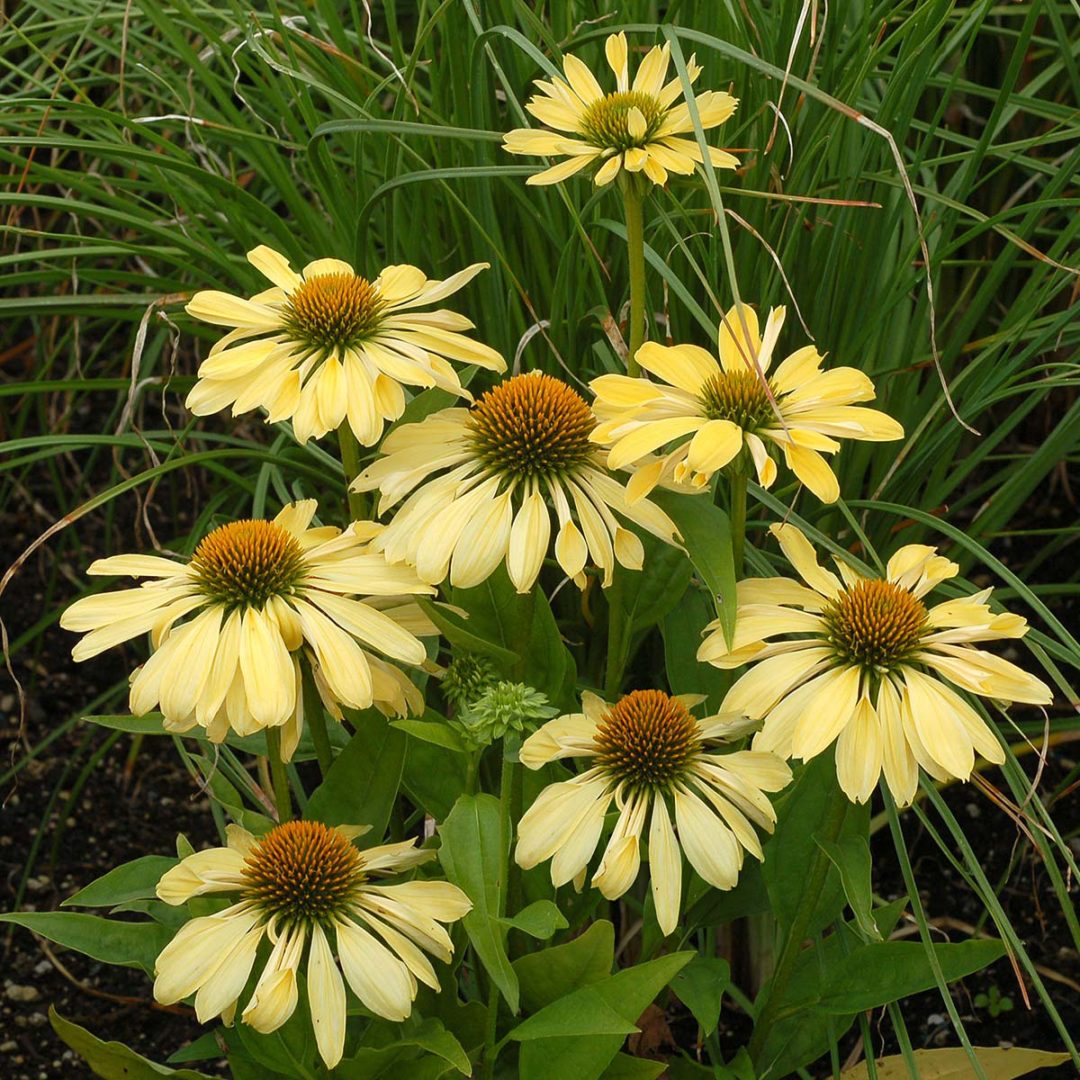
(362, 784)
(135, 880)
(114, 1060)
(126, 944)
(474, 859)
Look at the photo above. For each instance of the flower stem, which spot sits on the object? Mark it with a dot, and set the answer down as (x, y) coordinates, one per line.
(350, 462)
(738, 520)
(635, 248)
(832, 821)
(282, 794)
(316, 721)
(506, 785)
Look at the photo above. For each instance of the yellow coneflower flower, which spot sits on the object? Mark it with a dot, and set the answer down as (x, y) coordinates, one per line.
(648, 751)
(524, 446)
(253, 596)
(711, 409)
(861, 669)
(641, 128)
(306, 887)
(327, 345)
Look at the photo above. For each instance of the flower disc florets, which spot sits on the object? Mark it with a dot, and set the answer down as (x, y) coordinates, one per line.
(303, 871)
(333, 311)
(532, 426)
(738, 396)
(647, 739)
(607, 122)
(244, 563)
(875, 623)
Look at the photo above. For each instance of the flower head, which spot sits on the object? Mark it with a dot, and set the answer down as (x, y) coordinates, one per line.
(229, 625)
(327, 345)
(305, 887)
(467, 676)
(502, 708)
(861, 661)
(639, 127)
(524, 446)
(648, 753)
(706, 411)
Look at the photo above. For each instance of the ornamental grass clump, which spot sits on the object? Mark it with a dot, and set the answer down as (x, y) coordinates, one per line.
(516, 704)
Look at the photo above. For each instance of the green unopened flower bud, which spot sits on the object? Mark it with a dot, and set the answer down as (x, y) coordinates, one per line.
(467, 677)
(504, 707)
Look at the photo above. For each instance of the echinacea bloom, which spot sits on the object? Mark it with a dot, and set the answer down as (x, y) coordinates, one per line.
(522, 448)
(327, 345)
(640, 127)
(306, 888)
(254, 597)
(861, 661)
(704, 411)
(648, 753)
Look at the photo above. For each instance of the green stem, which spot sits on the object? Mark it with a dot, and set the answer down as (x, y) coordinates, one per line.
(506, 786)
(738, 520)
(350, 462)
(282, 795)
(635, 249)
(316, 721)
(832, 821)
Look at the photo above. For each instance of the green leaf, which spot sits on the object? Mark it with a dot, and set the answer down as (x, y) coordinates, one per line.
(830, 986)
(789, 851)
(700, 986)
(459, 633)
(682, 630)
(472, 857)
(432, 731)
(205, 1048)
(888, 970)
(627, 1067)
(114, 1060)
(998, 1063)
(289, 1050)
(433, 778)
(522, 625)
(650, 594)
(126, 944)
(851, 857)
(553, 973)
(136, 880)
(749, 897)
(580, 1034)
(362, 784)
(706, 532)
(431, 1035)
(541, 919)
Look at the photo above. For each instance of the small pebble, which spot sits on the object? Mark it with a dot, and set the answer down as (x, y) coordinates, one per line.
(15, 992)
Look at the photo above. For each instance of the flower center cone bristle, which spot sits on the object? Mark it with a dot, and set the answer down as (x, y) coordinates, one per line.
(333, 311)
(530, 426)
(605, 123)
(876, 623)
(303, 871)
(647, 739)
(738, 396)
(244, 563)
